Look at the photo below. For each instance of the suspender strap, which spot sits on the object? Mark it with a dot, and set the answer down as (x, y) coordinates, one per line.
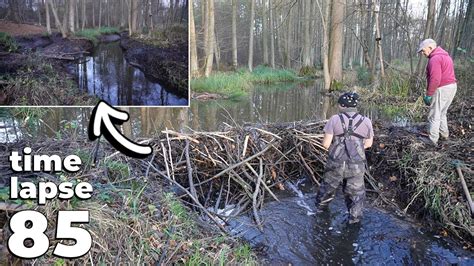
(351, 128)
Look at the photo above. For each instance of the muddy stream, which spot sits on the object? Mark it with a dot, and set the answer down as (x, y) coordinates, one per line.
(107, 74)
(293, 232)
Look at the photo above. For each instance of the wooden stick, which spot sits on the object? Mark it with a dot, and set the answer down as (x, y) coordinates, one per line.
(190, 172)
(466, 189)
(236, 165)
(196, 201)
(255, 195)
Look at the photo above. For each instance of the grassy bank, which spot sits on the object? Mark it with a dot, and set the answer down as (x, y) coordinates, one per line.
(233, 84)
(38, 81)
(94, 34)
(132, 217)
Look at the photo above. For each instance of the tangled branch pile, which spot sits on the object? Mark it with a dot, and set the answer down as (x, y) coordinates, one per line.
(238, 167)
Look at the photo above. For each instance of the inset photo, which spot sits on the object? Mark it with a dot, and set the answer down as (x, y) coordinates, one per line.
(78, 52)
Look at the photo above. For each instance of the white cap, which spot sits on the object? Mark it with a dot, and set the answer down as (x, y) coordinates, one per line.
(425, 43)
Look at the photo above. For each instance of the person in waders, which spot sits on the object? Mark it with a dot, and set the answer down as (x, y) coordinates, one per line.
(346, 136)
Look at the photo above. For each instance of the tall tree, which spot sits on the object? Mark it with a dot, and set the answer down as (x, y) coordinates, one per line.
(252, 29)
(325, 48)
(272, 36)
(307, 35)
(72, 9)
(429, 28)
(60, 26)
(378, 37)
(235, 62)
(336, 40)
(192, 41)
(48, 22)
(211, 40)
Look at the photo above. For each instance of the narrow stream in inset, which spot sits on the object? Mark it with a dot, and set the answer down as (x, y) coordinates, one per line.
(108, 75)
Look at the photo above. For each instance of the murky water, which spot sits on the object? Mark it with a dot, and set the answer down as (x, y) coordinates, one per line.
(284, 102)
(110, 77)
(294, 233)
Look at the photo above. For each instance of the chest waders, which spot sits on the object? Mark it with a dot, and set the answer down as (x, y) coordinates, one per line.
(346, 164)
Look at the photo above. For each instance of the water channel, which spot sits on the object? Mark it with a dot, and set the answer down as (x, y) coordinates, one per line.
(107, 74)
(292, 232)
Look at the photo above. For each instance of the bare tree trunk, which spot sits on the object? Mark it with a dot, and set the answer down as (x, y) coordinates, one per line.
(133, 27)
(93, 14)
(325, 48)
(265, 32)
(72, 13)
(48, 22)
(252, 26)
(428, 30)
(306, 32)
(272, 37)
(100, 12)
(84, 17)
(192, 40)
(56, 19)
(378, 38)
(288, 44)
(441, 22)
(211, 41)
(336, 40)
(235, 63)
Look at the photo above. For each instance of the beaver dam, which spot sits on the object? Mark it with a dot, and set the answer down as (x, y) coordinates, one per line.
(242, 179)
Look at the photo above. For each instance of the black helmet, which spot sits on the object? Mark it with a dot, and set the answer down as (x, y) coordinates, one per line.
(348, 99)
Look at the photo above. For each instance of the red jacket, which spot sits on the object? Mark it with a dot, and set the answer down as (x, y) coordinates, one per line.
(440, 70)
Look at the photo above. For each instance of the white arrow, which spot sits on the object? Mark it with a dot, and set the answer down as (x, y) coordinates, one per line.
(101, 124)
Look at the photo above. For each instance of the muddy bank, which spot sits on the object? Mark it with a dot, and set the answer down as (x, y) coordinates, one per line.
(36, 73)
(422, 178)
(167, 65)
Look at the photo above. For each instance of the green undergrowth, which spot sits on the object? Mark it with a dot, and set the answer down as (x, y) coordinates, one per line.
(235, 84)
(38, 82)
(94, 34)
(133, 218)
(7, 43)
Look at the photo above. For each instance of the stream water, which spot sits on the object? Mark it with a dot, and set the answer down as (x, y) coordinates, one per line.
(108, 75)
(293, 232)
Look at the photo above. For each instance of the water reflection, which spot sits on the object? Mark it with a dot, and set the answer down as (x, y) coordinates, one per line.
(276, 104)
(108, 75)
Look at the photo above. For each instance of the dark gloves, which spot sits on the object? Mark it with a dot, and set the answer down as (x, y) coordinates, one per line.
(427, 99)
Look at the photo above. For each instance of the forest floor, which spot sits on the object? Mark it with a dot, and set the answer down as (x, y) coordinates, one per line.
(33, 64)
(16, 29)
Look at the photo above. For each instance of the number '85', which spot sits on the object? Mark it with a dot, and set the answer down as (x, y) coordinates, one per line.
(37, 225)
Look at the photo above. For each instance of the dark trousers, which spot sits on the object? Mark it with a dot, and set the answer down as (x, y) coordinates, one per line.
(352, 178)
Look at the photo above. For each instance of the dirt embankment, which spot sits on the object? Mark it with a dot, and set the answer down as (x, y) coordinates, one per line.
(422, 179)
(36, 74)
(167, 65)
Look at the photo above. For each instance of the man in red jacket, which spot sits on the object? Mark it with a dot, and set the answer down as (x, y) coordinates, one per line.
(440, 90)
